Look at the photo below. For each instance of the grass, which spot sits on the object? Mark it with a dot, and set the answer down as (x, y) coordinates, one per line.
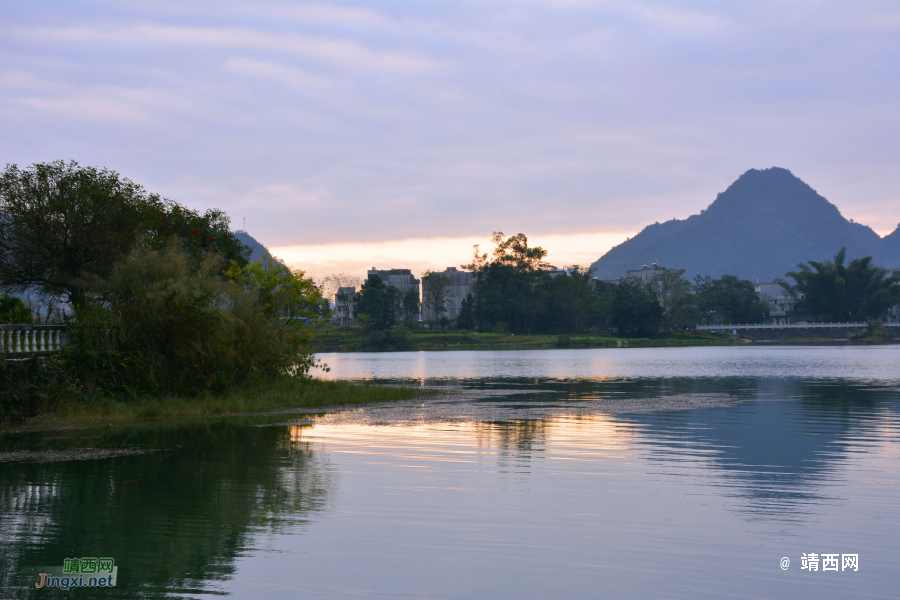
(350, 339)
(260, 397)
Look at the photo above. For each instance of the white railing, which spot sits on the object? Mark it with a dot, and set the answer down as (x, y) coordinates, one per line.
(794, 326)
(19, 340)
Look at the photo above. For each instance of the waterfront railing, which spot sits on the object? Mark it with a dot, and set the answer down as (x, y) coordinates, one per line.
(792, 326)
(19, 341)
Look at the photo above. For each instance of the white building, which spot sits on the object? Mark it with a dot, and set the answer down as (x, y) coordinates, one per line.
(345, 306)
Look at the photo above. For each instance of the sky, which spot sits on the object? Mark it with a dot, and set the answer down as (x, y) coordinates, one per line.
(397, 134)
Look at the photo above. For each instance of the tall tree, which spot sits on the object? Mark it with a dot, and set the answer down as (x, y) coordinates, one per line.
(466, 318)
(435, 291)
(506, 288)
(834, 292)
(377, 304)
(411, 307)
(675, 297)
(330, 284)
(635, 309)
(571, 303)
(62, 225)
(729, 300)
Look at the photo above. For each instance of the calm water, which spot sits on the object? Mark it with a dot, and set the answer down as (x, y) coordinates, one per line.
(519, 482)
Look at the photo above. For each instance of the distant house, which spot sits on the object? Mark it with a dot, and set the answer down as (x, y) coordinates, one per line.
(893, 315)
(462, 283)
(646, 274)
(345, 306)
(783, 309)
(402, 279)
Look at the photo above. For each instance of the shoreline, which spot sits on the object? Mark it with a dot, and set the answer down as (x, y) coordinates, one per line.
(352, 340)
(267, 397)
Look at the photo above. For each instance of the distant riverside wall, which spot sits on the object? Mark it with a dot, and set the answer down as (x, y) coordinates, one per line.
(829, 331)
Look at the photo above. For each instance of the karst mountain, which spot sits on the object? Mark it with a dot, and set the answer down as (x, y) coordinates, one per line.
(759, 228)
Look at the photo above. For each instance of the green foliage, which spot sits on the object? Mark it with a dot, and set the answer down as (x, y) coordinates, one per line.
(29, 385)
(411, 307)
(675, 296)
(466, 318)
(281, 292)
(435, 290)
(515, 292)
(729, 300)
(635, 309)
(164, 323)
(64, 226)
(13, 310)
(832, 291)
(395, 338)
(377, 304)
(570, 302)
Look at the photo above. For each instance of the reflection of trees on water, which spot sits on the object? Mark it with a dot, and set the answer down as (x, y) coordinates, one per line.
(777, 455)
(517, 439)
(173, 519)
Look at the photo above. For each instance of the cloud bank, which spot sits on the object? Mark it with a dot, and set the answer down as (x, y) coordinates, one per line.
(369, 122)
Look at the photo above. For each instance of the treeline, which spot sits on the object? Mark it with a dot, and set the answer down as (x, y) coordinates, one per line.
(515, 291)
(159, 299)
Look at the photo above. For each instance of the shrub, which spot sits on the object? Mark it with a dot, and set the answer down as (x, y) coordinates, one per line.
(28, 385)
(13, 310)
(164, 323)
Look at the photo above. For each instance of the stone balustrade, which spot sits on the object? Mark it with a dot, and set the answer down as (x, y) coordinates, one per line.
(30, 340)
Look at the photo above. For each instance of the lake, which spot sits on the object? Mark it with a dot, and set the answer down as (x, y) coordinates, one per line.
(530, 474)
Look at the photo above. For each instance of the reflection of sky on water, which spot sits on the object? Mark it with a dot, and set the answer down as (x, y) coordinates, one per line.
(528, 491)
(856, 363)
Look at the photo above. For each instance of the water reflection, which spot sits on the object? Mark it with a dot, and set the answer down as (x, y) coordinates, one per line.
(516, 485)
(175, 517)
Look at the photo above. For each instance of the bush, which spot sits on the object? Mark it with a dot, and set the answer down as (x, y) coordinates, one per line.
(396, 338)
(13, 310)
(28, 385)
(164, 323)
(635, 310)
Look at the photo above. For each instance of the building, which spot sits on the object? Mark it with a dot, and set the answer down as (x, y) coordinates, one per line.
(646, 274)
(402, 279)
(782, 305)
(345, 306)
(893, 315)
(462, 283)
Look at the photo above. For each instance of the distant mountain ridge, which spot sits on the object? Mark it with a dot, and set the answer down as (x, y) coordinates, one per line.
(258, 251)
(759, 228)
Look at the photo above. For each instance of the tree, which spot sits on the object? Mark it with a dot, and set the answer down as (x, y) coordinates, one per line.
(466, 318)
(834, 292)
(283, 294)
(435, 290)
(506, 288)
(13, 310)
(729, 300)
(570, 303)
(62, 225)
(635, 309)
(377, 304)
(513, 252)
(163, 322)
(411, 307)
(330, 284)
(675, 297)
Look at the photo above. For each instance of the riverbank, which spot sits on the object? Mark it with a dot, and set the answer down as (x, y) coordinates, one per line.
(260, 397)
(353, 339)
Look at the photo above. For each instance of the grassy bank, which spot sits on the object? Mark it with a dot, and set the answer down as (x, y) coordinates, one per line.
(352, 339)
(260, 397)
